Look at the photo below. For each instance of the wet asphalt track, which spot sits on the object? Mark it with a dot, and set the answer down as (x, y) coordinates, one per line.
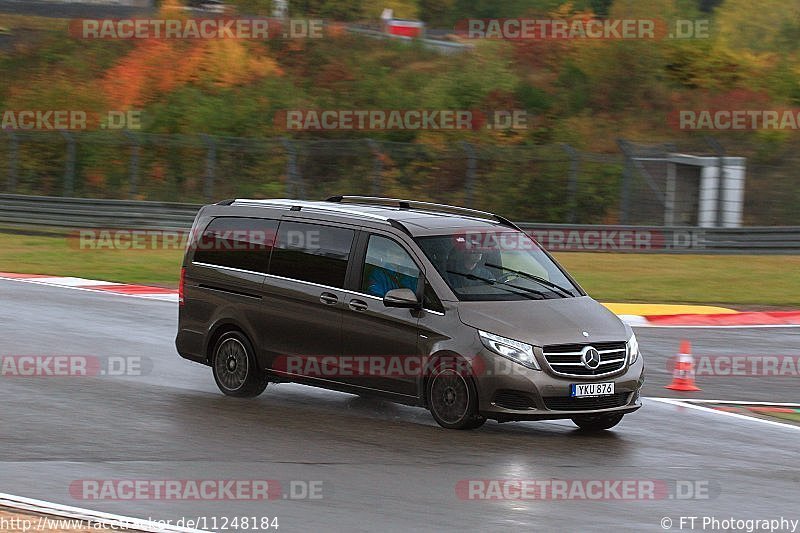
(383, 466)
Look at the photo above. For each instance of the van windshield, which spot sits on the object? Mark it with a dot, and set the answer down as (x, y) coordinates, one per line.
(496, 265)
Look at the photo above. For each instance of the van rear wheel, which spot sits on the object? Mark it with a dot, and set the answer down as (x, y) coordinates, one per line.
(234, 366)
(452, 398)
(597, 422)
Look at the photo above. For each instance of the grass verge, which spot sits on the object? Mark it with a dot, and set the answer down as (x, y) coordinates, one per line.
(758, 280)
(60, 256)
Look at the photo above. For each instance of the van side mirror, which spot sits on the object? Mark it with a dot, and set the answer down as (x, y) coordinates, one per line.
(403, 298)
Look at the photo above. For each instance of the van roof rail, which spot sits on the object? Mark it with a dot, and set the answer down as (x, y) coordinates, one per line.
(298, 205)
(423, 206)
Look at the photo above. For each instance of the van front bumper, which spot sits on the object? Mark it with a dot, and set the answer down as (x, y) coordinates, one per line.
(526, 394)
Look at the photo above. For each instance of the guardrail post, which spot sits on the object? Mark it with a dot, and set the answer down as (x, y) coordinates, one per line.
(472, 166)
(377, 168)
(211, 165)
(294, 186)
(572, 187)
(133, 167)
(69, 170)
(13, 155)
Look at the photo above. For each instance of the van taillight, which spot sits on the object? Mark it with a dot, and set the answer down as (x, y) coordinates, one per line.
(180, 286)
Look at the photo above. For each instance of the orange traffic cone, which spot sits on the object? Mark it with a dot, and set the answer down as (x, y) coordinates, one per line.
(683, 375)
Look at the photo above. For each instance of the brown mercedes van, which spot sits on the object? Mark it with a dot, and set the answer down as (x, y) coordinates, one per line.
(443, 307)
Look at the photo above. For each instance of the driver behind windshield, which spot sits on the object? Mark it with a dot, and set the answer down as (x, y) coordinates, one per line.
(465, 267)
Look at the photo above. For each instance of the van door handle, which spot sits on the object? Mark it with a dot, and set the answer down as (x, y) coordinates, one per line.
(328, 298)
(358, 305)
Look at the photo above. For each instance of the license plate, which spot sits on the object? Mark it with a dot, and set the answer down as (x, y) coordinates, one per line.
(584, 390)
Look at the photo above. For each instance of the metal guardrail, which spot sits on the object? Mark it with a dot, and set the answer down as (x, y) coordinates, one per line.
(656, 239)
(439, 45)
(52, 211)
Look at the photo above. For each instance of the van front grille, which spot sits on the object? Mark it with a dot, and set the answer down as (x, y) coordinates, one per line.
(565, 359)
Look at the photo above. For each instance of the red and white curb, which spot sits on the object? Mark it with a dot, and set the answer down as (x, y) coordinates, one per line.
(86, 516)
(691, 403)
(139, 291)
(745, 319)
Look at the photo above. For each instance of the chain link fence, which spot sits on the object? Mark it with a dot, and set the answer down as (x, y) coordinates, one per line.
(646, 184)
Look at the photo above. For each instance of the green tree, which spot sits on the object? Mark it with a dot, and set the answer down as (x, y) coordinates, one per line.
(601, 7)
(436, 13)
(764, 26)
(330, 9)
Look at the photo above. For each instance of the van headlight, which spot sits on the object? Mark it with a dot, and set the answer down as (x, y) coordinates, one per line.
(633, 349)
(517, 351)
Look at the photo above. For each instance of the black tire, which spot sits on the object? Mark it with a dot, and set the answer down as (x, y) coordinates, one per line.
(234, 366)
(597, 422)
(452, 397)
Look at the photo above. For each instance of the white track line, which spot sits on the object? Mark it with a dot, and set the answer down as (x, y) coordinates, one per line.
(70, 281)
(94, 517)
(739, 402)
(683, 403)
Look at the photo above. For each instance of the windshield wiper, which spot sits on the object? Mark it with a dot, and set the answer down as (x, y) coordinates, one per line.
(525, 290)
(533, 277)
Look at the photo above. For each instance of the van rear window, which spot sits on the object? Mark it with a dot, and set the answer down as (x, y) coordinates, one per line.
(312, 252)
(243, 243)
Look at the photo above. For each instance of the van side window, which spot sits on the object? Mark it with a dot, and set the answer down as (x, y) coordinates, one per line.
(387, 266)
(243, 243)
(313, 253)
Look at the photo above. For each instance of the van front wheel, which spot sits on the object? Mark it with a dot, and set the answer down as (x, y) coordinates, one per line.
(234, 367)
(452, 398)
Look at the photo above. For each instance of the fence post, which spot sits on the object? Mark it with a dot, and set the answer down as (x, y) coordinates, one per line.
(294, 187)
(13, 155)
(472, 165)
(572, 187)
(133, 167)
(625, 197)
(211, 164)
(69, 170)
(625, 193)
(377, 168)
